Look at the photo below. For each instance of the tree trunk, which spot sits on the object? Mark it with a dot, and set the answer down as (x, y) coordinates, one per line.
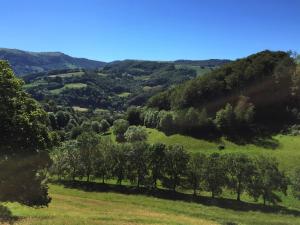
(88, 177)
(213, 194)
(103, 179)
(238, 196)
(155, 183)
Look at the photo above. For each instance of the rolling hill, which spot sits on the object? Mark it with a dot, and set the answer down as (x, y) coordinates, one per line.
(24, 62)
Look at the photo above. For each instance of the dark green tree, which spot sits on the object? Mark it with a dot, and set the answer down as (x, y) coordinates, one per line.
(240, 169)
(176, 166)
(268, 180)
(104, 125)
(62, 119)
(88, 145)
(119, 161)
(215, 174)
(134, 115)
(157, 160)
(295, 179)
(195, 171)
(136, 133)
(24, 143)
(138, 163)
(120, 126)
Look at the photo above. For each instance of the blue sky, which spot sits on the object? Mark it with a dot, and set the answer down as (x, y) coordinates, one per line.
(151, 29)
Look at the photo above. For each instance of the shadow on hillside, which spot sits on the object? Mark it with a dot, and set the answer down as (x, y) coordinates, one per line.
(170, 195)
(266, 141)
(6, 216)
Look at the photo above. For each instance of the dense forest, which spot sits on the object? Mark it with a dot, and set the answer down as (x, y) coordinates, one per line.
(258, 93)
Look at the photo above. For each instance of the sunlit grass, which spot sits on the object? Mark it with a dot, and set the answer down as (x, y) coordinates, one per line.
(71, 206)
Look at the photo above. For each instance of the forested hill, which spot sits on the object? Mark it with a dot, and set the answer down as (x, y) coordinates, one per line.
(24, 62)
(267, 80)
(203, 63)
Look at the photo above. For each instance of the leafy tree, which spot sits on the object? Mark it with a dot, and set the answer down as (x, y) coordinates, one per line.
(73, 159)
(59, 163)
(24, 143)
(244, 110)
(103, 161)
(215, 174)
(195, 171)
(88, 145)
(151, 118)
(268, 180)
(296, 183)
(53, 122)
(176, 165)
(119, 161)
(157, 160)
(134, 115)
(62, 119)
(120, 126)
(240, 169)
(136, 133)
(166, 123)
(95, 125)
(104, 125)
(138, 163)
(225, 119)
(75, 132)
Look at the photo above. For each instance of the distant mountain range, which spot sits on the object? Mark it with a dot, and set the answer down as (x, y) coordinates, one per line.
(24, 62)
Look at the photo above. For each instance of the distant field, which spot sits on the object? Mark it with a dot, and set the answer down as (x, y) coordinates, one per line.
(71, 206)
(199, 69)
(66, 75)
(35, 84)
(80, 109)
(70, 86)
(124, 94)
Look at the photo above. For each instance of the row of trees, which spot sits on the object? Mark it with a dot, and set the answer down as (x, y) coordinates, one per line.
(170, 166)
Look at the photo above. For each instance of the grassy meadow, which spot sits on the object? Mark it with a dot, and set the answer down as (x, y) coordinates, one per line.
(78, 206)
(72, 206)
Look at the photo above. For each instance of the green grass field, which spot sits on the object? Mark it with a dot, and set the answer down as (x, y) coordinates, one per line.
(67, 75)
(287, 149)
(68, 86)
(124, 94)
(71, 206)
(74, 206)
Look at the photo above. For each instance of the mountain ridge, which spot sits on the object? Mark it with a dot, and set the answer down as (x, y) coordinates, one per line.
(27, 62)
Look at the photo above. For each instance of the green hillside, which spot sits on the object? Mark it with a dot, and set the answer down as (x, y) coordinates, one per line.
(24, 62)
(74, 207)
(284, 148)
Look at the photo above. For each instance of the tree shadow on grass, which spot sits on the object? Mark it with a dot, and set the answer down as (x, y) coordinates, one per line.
(267, 142)
(170, 195)
(6, 216)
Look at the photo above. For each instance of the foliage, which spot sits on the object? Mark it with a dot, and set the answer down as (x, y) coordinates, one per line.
(136, 133)
(175, 167)
(267, 180)
(24, 143)
(120, 126)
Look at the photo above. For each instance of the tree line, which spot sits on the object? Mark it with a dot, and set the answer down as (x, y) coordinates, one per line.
(157, 165)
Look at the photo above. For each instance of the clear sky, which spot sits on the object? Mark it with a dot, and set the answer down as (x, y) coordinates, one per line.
(151, 29)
